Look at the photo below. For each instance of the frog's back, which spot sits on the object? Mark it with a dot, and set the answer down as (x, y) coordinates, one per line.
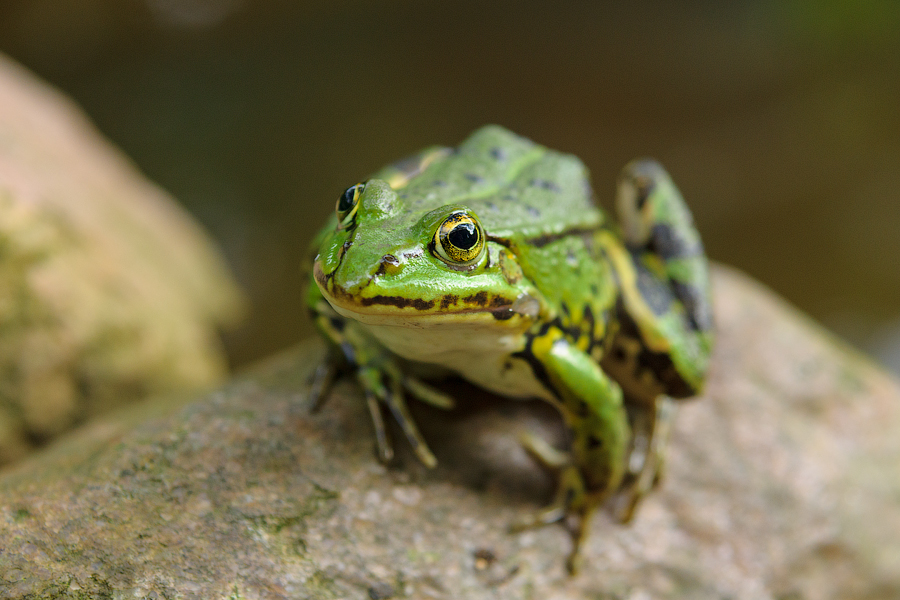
(518, 189)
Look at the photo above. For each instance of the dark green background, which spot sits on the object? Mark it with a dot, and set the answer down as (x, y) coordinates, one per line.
(779, 120)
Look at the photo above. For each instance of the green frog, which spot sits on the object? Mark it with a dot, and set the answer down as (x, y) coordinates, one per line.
(492, 261)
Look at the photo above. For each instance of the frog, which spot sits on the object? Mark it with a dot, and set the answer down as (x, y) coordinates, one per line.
(493, 261)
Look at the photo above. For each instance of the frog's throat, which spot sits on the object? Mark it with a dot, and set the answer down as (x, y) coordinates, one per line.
(379, 306)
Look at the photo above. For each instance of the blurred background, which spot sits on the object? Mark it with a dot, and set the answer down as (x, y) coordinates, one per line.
(778, 119)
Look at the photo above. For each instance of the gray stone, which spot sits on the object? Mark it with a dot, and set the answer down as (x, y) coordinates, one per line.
(782, 482)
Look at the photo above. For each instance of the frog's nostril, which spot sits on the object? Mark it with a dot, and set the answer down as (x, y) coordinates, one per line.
(390, 265)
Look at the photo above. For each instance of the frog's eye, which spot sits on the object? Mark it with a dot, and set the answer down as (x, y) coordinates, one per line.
(347, 204)
(459, 241)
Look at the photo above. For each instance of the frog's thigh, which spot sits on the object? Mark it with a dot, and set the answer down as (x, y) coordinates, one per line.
(592, 406)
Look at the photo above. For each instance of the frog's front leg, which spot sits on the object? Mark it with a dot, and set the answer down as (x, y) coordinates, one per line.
(378, 373)
(591, 405)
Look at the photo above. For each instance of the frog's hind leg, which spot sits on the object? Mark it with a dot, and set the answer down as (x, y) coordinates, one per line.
(666, 285)
(573, 504)
(569, 485)
(651, 426)
(662, 347)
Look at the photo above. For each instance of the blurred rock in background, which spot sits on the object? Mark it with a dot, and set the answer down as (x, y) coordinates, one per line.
(109, 291)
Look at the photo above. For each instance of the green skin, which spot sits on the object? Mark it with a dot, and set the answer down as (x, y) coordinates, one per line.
(546, 299)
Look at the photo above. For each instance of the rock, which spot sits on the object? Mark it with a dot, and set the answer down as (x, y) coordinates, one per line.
(782, 482)
(109, 292)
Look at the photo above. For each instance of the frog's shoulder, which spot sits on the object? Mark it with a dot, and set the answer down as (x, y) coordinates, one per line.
(515, 186)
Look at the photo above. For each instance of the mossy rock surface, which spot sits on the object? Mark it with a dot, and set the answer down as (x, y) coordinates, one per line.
(782, 483)
(109, 292)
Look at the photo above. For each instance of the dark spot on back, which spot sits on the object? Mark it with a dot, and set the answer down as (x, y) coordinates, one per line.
(449, 299)
(439, 183)
(545, 184)
(654, 292)
(474, 178)
(533, 212)
(498, 153)
(665, 242)
(696, 308)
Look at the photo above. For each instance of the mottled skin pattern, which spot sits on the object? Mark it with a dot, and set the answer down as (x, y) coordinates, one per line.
(549, 299)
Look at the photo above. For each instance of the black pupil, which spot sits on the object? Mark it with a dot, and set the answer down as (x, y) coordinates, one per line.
(463, 236)
(346, 201)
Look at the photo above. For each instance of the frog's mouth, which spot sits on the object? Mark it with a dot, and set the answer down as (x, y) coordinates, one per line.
(378, 308)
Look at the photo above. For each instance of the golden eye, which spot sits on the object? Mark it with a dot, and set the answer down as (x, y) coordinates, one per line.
(347, 204)
(459, 241)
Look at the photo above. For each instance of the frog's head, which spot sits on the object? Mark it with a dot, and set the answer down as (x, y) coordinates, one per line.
(383, 261)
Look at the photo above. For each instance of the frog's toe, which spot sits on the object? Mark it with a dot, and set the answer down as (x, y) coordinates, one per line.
(428, 394)
(574, 561)
(320, 383)
(384, 387)
(635, 488)
(548, 456)
(396, 403)
(553, 513)
(382, 440)
(570, 494)
(573, 505)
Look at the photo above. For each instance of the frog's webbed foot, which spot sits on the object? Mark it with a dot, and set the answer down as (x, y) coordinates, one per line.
(380, 374)
(427, 394)
(572, 505)
(384, 385)
(646, 462)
